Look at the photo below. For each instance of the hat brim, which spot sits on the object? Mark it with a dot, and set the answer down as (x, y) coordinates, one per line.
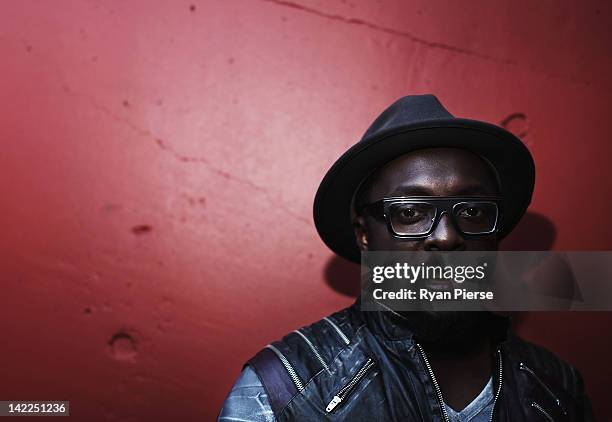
(333, 200)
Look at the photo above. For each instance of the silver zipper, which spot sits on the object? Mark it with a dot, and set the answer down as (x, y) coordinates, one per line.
(435, 383)
(338, 330)
(313, 348)
(346, 390)
(288, 367)
(542, 411)
(530, 371)
(499, 383)
(439, 392)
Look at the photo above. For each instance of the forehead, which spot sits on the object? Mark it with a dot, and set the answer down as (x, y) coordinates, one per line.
(436, 172)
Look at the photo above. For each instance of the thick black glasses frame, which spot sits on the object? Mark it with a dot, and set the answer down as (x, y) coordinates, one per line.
(442, 204)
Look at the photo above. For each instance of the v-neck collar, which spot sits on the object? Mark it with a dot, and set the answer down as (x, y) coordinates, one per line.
(484, 399)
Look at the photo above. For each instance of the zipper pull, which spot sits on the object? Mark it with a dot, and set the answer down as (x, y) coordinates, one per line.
(332, 404)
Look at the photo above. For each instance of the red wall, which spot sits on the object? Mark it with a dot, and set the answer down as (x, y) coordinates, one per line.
(159, 161)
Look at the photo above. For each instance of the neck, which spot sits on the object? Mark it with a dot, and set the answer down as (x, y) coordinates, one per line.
(462, 376)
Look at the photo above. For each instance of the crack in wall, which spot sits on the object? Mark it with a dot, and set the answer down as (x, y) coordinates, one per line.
(188, 159)
(181, 157)
(148, 134)
(387, 30)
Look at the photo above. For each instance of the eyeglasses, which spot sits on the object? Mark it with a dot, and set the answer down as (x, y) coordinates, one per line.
(418, 216)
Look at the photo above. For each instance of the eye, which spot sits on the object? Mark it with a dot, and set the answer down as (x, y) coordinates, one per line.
(471, 212)
(409, 214)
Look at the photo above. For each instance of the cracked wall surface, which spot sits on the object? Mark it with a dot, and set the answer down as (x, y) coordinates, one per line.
(160, 159)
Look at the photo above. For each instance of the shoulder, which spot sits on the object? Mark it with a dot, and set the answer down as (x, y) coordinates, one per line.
(247, 400)
(286, 366)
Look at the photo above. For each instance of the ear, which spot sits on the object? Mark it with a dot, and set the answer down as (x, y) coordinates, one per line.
(361, 233)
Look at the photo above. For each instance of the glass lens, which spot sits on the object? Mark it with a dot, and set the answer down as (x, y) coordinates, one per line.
(411, 218)
(475, 217)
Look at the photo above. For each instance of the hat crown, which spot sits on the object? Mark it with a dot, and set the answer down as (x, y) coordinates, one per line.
(408, 110)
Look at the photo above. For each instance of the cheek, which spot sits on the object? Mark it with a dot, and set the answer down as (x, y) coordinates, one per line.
(489, 243)
(380, 239)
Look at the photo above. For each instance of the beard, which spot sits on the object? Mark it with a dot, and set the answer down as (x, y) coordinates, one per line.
(453, 332)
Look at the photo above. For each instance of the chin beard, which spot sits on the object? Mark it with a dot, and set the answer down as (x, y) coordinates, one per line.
(452, 331)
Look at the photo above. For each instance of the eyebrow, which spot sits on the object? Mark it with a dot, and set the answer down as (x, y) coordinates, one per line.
(420, 190)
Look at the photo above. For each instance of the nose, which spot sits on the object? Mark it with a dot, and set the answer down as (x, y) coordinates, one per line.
(445, 236)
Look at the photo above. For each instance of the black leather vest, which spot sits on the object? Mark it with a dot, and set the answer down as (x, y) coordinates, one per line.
(359, 366)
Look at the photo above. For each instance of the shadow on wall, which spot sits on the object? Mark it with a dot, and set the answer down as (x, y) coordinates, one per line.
(534, 233)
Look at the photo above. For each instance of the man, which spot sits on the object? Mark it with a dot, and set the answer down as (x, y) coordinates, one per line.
(414, 366)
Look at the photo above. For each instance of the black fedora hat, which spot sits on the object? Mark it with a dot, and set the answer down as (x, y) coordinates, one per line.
(410, 123)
